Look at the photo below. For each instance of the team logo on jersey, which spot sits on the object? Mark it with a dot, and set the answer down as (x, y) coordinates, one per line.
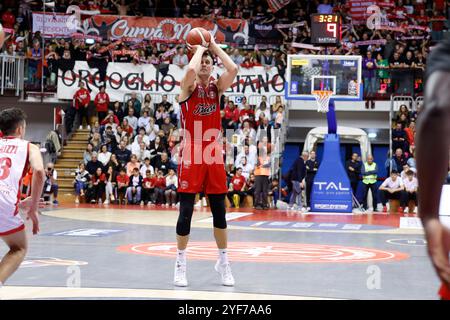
(201, 93)
(212, 95)
(205, 110)
(184, 184)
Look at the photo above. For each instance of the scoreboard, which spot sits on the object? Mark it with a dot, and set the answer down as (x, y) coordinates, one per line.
(326, 29)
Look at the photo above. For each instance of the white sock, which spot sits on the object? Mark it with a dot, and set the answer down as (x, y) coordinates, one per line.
(181, 256)
(223, 256)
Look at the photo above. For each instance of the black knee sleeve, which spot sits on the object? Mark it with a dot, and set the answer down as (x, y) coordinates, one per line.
(217, 203)
(186, 209)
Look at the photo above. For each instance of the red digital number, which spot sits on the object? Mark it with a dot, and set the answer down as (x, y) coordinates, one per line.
(5, 165)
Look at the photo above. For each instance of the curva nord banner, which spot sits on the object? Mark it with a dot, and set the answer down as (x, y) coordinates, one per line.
(123, 78)
(114, 27)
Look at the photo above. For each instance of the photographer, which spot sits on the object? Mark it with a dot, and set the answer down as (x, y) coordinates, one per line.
(50, 185)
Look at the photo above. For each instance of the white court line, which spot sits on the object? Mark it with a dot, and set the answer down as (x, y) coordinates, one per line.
(23, 292)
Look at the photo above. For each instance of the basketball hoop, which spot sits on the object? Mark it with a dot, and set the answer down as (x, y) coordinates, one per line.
(322, 99)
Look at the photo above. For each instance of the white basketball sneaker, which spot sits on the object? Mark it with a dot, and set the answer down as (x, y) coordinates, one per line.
(225, 273)
(179, 278)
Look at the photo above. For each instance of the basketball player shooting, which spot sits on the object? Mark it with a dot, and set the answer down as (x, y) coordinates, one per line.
(201, 167)
(432, 152)
(16, 156)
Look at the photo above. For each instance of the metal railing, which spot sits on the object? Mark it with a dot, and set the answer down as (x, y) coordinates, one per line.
(11, 73)
(396, 103)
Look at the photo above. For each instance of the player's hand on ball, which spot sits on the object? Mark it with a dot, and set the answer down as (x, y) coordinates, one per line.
(438, 241)
(194, 48)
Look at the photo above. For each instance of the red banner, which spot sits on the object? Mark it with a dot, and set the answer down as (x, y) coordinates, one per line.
(165, 29)
(128, 28)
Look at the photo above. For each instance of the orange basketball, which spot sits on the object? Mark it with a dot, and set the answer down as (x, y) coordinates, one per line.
(2, 36)
(198, 36)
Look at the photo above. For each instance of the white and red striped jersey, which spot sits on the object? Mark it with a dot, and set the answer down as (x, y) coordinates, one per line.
(14, 153)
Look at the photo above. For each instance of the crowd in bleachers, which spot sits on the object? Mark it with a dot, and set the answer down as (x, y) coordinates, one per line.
(133, 149)
(403, 49)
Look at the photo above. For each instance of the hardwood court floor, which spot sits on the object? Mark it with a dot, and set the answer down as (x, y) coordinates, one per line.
(127, 252)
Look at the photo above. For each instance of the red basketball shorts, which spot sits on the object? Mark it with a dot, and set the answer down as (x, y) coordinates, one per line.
(444, 292)
(204, 173)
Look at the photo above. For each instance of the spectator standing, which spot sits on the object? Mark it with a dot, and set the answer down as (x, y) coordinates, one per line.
(312, 165)
(353, 167)
(101, 103)
(369, 171)
(81, 100)
(298, 173)
(34, 56)
(262, 174)
(369, 75)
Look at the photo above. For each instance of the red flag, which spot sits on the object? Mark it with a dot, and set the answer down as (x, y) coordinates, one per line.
(276, 5)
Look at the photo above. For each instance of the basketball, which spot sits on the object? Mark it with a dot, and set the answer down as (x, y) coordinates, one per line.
(369, 64)
(2, 35)
(198, 36)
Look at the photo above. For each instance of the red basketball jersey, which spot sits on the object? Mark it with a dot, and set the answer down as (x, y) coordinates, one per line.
(202, 109)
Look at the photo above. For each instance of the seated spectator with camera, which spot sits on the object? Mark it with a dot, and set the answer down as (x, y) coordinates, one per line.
(50, 185)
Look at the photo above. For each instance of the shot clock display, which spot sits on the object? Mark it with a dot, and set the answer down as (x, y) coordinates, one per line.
(325, 29)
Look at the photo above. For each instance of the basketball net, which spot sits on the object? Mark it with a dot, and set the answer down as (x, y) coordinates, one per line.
(322, 99)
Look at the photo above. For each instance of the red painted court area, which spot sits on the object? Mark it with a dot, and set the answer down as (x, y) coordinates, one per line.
(381, 219)
(391, 220)
(269, 252)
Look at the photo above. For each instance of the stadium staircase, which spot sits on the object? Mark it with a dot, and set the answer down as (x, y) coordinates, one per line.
(69, 160)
